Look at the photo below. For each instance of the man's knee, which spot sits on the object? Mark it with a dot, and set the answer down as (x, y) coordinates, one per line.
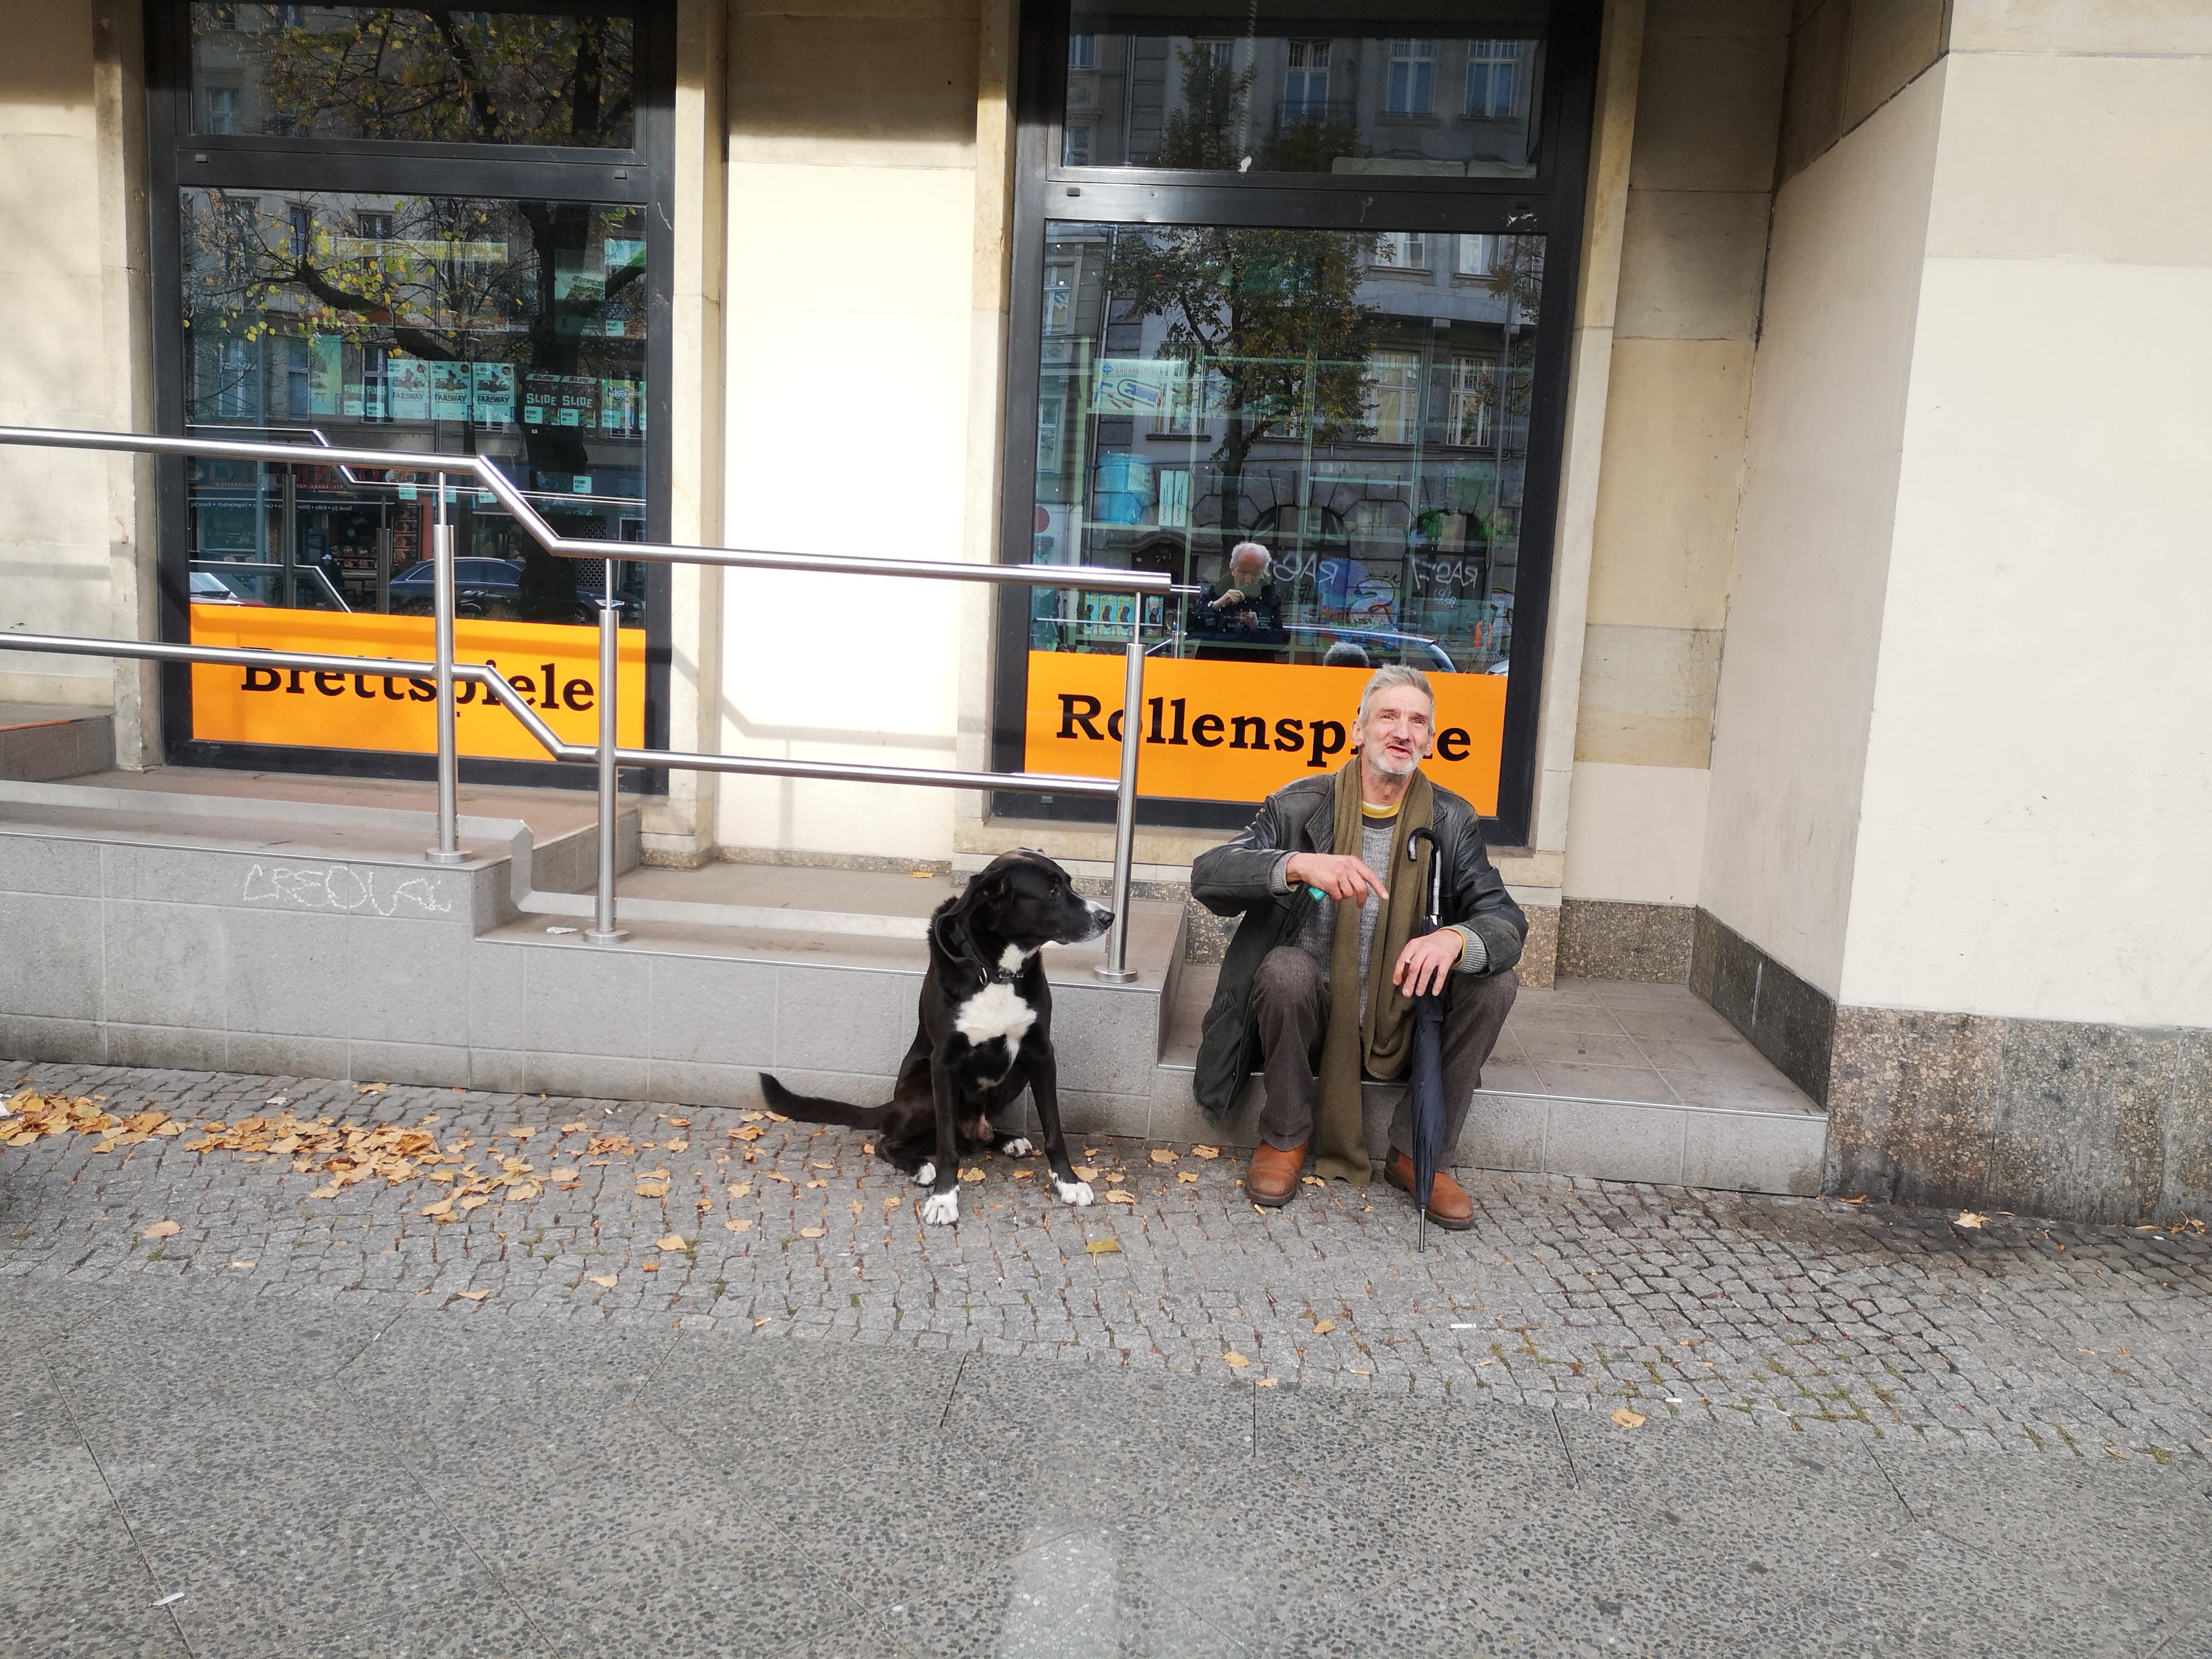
(1485, 996)
(1288, 977)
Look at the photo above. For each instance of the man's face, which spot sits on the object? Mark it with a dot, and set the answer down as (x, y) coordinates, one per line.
(1398, 731)
(1246, 568)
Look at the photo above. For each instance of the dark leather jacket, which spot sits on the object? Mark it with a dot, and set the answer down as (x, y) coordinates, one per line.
(1236, 877)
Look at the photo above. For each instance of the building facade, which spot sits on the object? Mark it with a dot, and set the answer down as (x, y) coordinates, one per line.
(1679, 381)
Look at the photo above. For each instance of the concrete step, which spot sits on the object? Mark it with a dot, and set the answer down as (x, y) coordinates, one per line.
(1612, 1080)
(40, 741)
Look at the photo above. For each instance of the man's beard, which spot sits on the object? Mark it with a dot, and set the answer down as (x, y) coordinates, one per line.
(1389, 766)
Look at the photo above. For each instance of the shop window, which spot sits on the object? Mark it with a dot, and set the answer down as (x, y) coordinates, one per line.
(1346, 367)
(329, 283)
(1412, 77)
(419, 74)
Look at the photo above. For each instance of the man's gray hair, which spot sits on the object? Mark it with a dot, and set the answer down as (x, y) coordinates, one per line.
(1391, 675)
(1238, 551)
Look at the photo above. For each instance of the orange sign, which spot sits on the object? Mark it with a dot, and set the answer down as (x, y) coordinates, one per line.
(1233, 731)
(556, 668)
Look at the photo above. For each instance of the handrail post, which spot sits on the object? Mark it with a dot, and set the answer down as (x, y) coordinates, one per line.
(448, 849)
(1115, 969)
(603, 930)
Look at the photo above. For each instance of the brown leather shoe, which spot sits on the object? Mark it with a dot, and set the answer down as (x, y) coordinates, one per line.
(1448, 1203)
(1273, 1180)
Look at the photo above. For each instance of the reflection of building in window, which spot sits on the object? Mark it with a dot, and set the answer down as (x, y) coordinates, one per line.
(303, 230)
(1402, 250)
(1051, 412)
(1394, 396)
(1473, 385)
(1411, 90)
(1216, 52)
(1184, 411)
(372, 227)
(1490, 69)
(1305, 82)
(1078, 144)
(1058, 298)
(1478, 256)
(1082, 51)
(222, 112)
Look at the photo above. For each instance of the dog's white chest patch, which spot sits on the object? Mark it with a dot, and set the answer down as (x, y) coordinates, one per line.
(996, 1010)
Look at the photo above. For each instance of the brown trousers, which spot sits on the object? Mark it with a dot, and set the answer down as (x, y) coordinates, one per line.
(1290, 996)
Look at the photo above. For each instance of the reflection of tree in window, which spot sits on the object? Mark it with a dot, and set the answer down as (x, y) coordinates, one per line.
(1208, 129)
(440, 75)
(1402, 250)
(1491, 68)
(1270, 317)
(1411, 88)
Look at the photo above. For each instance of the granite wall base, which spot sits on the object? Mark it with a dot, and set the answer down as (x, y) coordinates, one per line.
(1651, 944)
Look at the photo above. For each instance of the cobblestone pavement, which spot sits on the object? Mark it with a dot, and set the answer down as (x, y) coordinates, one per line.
(1811, 1316)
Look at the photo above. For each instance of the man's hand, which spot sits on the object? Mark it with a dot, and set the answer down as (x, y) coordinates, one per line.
(1425, 962)
(1234, 596)
(1339, 877)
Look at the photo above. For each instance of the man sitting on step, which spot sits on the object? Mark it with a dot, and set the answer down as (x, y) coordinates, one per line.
(1324, 886)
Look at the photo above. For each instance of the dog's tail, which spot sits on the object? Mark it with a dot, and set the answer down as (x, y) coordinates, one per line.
(814, 1109)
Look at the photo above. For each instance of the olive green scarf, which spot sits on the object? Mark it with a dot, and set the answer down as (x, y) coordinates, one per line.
(1380, 1036)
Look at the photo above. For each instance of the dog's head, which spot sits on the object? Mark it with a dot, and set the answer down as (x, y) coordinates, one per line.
(1026, 900)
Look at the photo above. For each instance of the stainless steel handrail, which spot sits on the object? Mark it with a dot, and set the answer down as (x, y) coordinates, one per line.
(606, 753)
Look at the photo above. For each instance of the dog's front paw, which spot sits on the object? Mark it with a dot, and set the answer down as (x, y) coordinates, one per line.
(1017, 1147)
(941, 1209)
(1077, 1193)
(926, 1176)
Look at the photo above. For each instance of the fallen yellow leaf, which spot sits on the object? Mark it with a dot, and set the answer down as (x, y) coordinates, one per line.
(1629, 1420)
(1236, 1362)
(441, 1211)
(740, 1189)
(1968, 1218)
(243, 1264)
(678, 1145)
(1024, 1174)
(737, 1225)
(576, 1128)
(371, 1088)
(1206, 1151)
(893, 1203)
(1185, 1175)
(325, 1191)
(652, 1267)
(161, 1230)
(965, 1174)
(1161, 1155)
(671, 1242)
(1104, 1247)
(653, 1189)
(1313, 1181)
(751, 1132)
(823, 1183)
(680, 1122)
(475, 1202)
(786, 1179)
(1268, 1381)
(562, 1177)
(1323, 1326)
(604, 1280)
(1116, 1195)
(812, 1232)
(1114, 1176)
(1085, 1172)
(472, 1296)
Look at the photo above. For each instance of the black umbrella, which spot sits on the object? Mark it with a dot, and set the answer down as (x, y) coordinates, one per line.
(1426, 1080)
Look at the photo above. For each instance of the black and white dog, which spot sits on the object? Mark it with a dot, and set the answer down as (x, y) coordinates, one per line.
(985, 1035)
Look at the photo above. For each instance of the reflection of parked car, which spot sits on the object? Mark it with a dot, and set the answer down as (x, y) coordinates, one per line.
(1310, 643)
(208, 588)
(482, 587)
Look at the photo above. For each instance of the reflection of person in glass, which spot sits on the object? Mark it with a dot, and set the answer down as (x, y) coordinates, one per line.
(1242, 615)
(1319, 981)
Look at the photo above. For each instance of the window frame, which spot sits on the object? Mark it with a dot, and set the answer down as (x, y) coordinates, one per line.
(1047, 191)
(179, 159)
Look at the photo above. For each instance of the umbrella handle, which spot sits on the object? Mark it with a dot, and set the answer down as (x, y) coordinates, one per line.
(1436, 870)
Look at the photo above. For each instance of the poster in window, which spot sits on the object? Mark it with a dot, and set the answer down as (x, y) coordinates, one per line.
(408, 388)
(495, 393)
(451, 391)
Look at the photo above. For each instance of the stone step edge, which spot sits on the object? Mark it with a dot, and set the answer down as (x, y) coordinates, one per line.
(1810, 1110)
